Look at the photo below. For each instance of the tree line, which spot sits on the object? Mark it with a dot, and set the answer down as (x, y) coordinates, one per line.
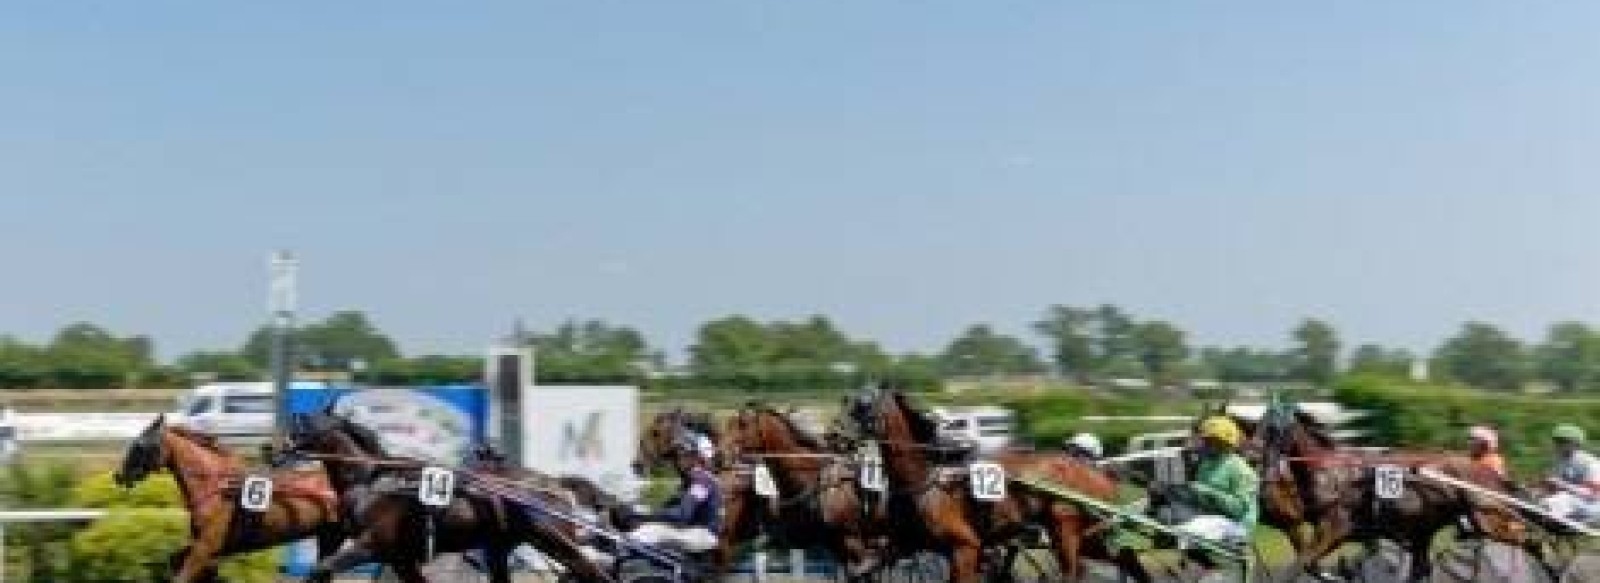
(1084, 344)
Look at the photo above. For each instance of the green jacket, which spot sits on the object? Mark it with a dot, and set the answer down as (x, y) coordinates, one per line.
(1227, 485)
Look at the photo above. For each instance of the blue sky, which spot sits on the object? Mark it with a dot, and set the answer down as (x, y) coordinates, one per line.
(906, 167)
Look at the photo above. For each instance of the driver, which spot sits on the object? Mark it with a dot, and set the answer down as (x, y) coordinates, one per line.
(1085, 447)
(692, 518)
(1576, 477)
(1224, 489)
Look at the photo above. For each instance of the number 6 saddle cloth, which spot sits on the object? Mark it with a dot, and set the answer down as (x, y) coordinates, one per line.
(305, 484)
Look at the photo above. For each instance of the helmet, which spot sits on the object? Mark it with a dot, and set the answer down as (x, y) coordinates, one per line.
(1485, 435)
(1568, 432)
(1088, 443)
(1222, 429)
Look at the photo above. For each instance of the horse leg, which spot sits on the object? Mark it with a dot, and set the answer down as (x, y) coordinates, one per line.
(498, 559)
(358, 552)
(1329, 535)
(329, 537)
(1421, 557)
(409, 572)
(1066, 531)
(965, 547)
(199, 559)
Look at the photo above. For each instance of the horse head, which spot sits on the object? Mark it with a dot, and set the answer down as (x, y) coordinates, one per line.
(145, 455)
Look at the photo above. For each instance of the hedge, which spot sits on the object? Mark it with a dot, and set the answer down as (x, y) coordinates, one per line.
(1436, 417)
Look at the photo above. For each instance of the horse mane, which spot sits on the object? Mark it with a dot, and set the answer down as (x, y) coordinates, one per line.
(204, 440)
(364, 437)
(923, 428)
(1317, 430)
(805, 438)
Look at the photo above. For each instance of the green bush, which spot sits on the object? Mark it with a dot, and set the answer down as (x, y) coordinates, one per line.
(1436, 416)
(135, 540)
(1046, 420)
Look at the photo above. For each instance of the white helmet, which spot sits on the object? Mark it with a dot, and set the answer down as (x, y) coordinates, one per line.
(1088, 443)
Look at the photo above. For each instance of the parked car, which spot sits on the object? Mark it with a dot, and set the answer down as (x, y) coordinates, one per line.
(990, 429)
(229, 410)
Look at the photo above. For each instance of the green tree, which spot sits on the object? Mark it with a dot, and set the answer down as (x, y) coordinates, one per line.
(1569, 357)
(84, 355)
(1373, 359)
(816, 342)
(1316, 351)
(1161, 347)
(1243, 364)
(224, 366)
(1117, 335)
(731, 343)
(1070, 332)
(332, 344)
(592, 349)
(21, 364)
(1483, 356)
(981, 351)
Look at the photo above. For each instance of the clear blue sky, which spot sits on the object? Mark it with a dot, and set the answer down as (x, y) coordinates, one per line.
(906, 167)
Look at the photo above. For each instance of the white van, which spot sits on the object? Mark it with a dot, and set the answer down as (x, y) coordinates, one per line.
(230, 410)
(989, 428)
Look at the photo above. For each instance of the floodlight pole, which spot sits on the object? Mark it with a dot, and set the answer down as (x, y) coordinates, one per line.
(281, 299)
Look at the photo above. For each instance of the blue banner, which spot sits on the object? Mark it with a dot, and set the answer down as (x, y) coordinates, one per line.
(440, 424)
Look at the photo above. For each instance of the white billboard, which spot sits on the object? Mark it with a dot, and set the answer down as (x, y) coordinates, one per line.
(584, 431)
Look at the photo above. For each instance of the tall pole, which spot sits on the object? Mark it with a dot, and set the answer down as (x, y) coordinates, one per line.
(280, 305)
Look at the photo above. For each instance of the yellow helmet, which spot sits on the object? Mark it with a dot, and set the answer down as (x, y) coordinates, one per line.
(1222, 429)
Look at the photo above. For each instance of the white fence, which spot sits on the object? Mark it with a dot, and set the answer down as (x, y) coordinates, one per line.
(70, 427)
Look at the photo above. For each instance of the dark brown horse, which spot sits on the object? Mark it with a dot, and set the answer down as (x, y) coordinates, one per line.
(391, 526)
(818, 503)
(949, 520)
(303, 504)
(1335, 492)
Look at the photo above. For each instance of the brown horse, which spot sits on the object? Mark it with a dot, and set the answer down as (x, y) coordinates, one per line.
(818, 503)
(303, 505)
(1335, 492)
(952, 521)
(391, 526)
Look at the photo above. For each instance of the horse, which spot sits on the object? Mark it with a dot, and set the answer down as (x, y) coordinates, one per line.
(303, 504)
(379, 495)
(1335, 492)
(958, 525)
(818, 502)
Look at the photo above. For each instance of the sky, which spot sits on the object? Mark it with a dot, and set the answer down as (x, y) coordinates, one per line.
(907, 168)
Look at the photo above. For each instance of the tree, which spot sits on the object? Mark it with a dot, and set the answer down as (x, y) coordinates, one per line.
(592, 349)
(332, 344)
(981, 351)
(731, 343)
(1316, 352)
(84, 355)
(223, 366)
(1377, 360)
(1069, 331)
(1570, 357)
(1243, 364)
(1483, 356)
(1161, 347)
(1118, 334)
